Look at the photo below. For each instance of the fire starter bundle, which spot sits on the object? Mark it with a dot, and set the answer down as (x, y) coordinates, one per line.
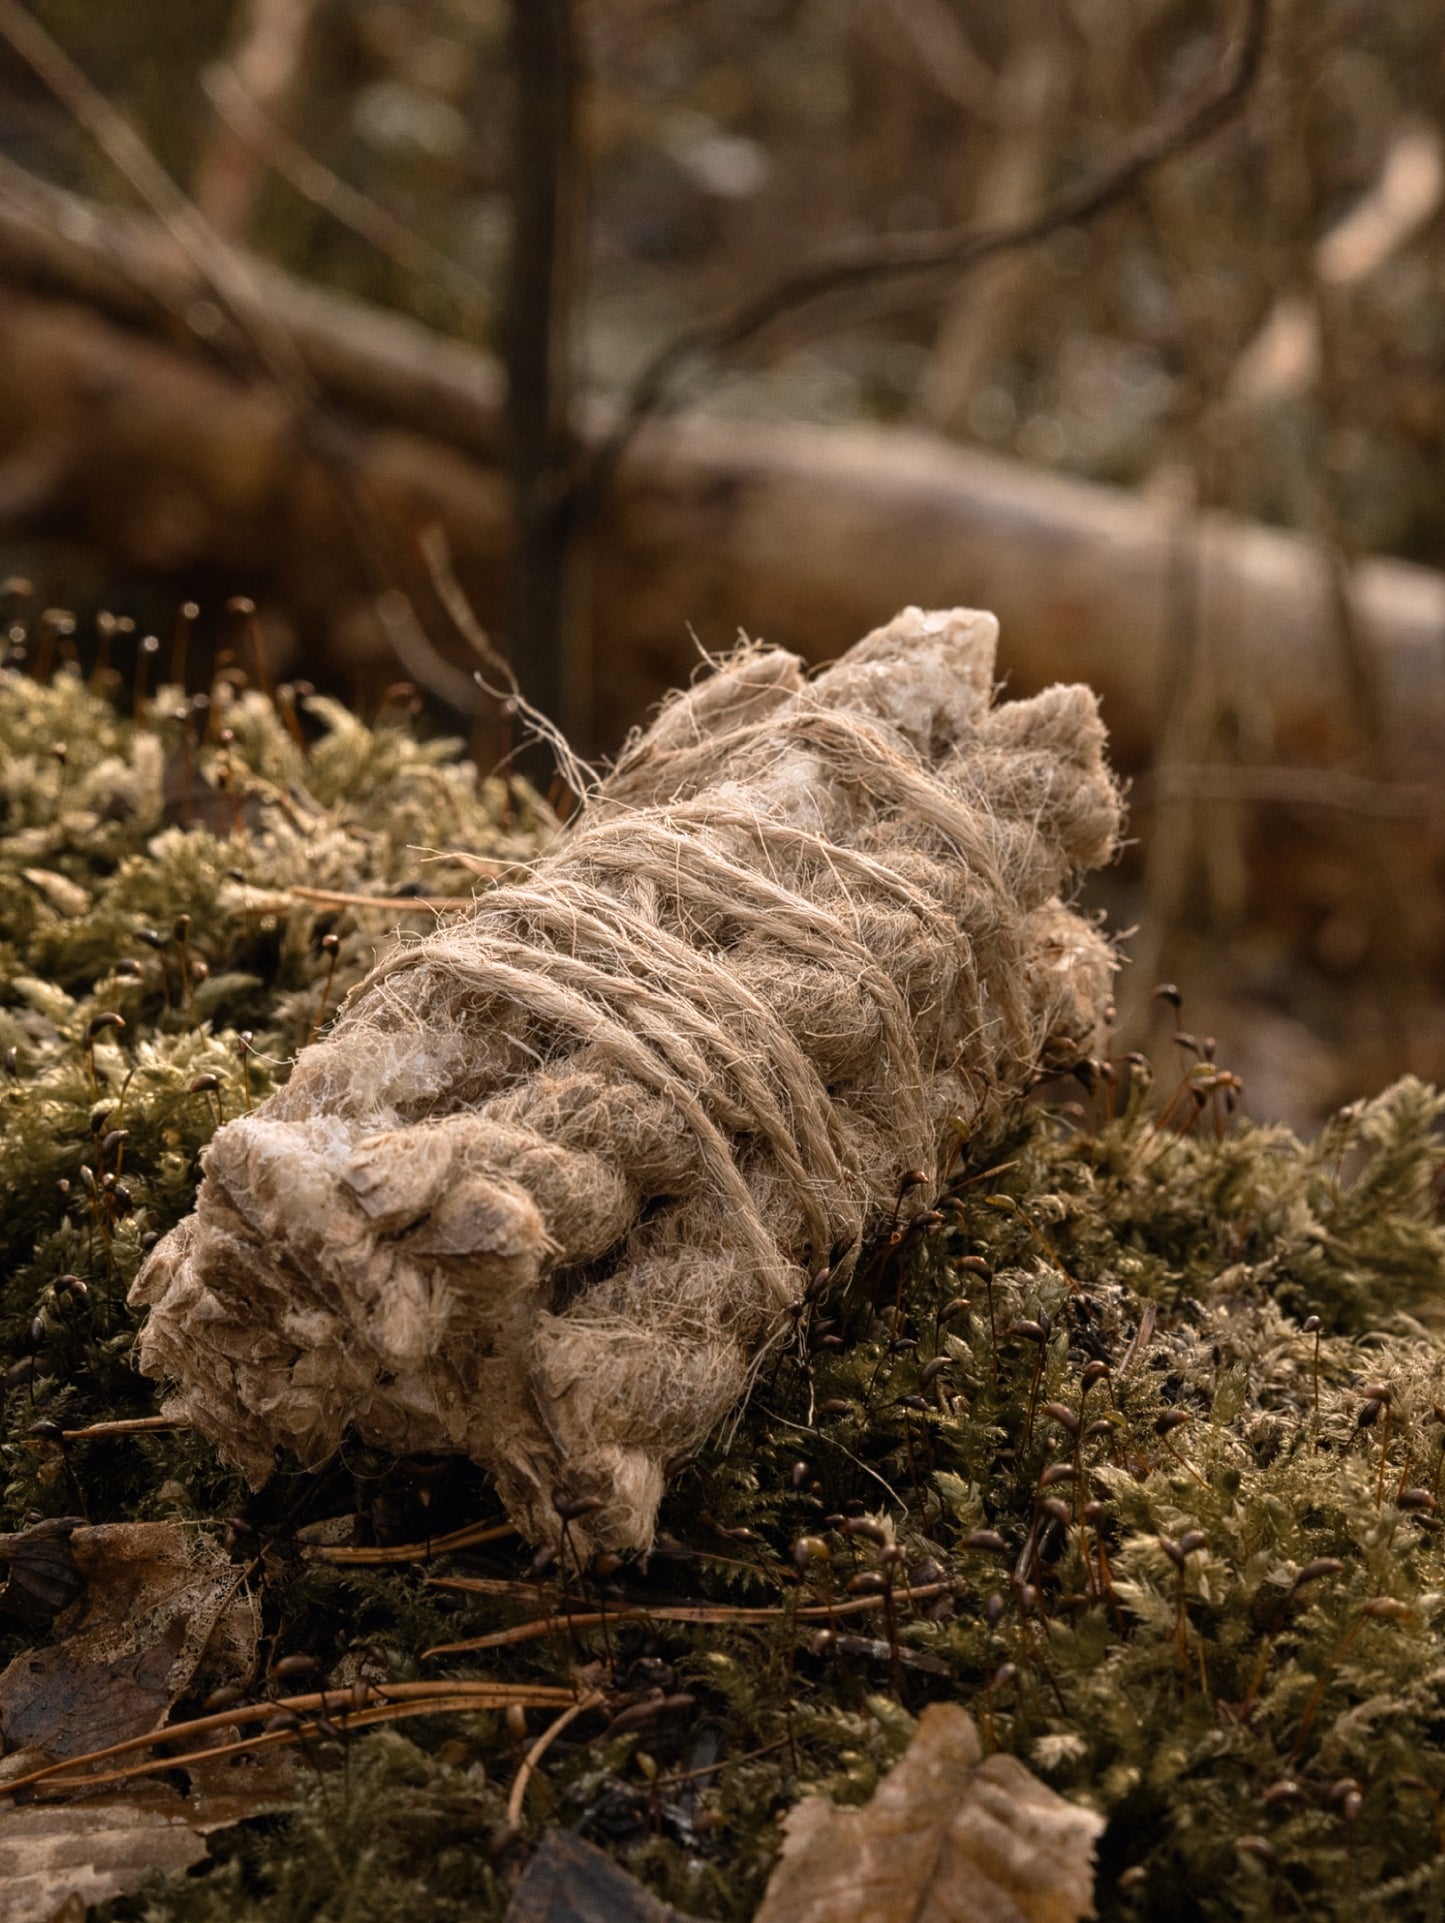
(545, 1192)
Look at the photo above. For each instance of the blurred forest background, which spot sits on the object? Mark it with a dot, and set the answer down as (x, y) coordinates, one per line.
(337, 305)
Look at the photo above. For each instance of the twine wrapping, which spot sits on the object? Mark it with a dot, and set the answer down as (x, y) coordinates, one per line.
(545, 1192)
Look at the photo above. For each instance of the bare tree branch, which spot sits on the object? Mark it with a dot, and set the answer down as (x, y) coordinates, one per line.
(953, 249)
(273, 147)
(264, 63)
(377, 363)
(219, 265)
(1334, 790)
(224, 272)
(945, 56)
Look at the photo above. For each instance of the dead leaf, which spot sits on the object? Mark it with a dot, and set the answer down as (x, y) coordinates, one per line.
(40, 1574)
(49, 1855)
(56, 1859)
(568, 1881)
(162, 1604)
(947, 1838)
(230, 1789)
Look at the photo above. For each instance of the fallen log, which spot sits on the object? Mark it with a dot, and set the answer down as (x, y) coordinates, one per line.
(378, 364)
(815, 528)
(154, 447)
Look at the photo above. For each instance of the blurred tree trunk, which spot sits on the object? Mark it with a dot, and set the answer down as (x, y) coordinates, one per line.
(265, 61)
(547, 196)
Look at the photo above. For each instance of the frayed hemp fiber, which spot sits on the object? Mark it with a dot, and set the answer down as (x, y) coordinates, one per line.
(545, 1192)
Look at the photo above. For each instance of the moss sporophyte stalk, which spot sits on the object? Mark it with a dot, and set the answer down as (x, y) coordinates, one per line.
(1131, 1441)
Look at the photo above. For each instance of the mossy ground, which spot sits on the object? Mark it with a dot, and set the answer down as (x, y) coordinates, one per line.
(1199, 1587)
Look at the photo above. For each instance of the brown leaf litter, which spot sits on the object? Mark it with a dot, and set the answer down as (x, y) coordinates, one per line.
(162, 1606)
(951, 1836)
(82, 1853)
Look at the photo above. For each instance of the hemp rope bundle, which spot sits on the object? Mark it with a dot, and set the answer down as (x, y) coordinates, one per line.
(545, 1192)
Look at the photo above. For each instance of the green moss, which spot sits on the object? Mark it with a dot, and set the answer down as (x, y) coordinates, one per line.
(147, 925)
(393, 1834)
(1262, 1742)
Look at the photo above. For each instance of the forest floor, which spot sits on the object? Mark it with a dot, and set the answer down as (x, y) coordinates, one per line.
(1130, 1440)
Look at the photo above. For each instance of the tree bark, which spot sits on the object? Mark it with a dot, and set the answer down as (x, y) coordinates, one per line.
(538, 344)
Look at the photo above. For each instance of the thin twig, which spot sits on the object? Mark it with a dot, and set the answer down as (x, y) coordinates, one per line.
(249, 122)
(447, 1703)
(538, 1751)
(721, 1613)
(403, 904)
(219, 265)
(467, 1538)
(542, 1595)
(266, 60)
(543, 727)
(1143, 1336)
(723, 1762)
(337, 1704)
(225, 273)
(435, 552)
(947, 58)
(925, 253)
(276, 1739)
(126, 1426)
